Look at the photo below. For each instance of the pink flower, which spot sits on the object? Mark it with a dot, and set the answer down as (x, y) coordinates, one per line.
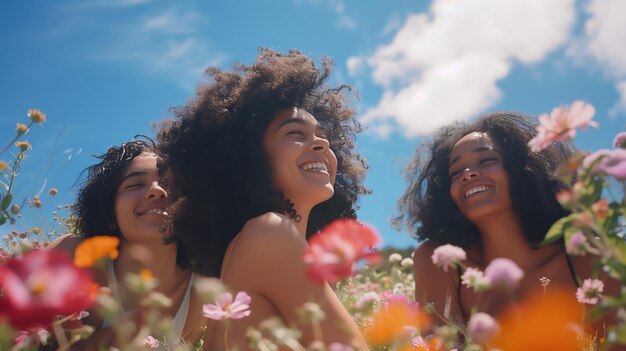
(448, 255)
(401, 300)
(41, 285)
(225, 308)
(367, 299)
(577, 244)
(339, 347)
(33, 337)
(482, 328)
(608, 162)
(503, 272)
(474, 278)
(562, 123)
(620, 140)
(151, 343)
(590, 292)
(332, 254)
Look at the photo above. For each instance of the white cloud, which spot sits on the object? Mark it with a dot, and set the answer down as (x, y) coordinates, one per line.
(605, 35)
(444, 65)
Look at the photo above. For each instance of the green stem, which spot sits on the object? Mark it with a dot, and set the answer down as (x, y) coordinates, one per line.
(15, 139)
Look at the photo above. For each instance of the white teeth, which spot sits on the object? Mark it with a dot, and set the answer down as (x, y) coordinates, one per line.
(314, 166)
(475, 190)
(157, 210)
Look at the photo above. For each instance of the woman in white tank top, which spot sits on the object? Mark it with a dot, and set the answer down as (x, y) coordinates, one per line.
(123, 196)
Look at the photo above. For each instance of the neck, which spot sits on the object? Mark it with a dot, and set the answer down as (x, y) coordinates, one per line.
(303, 212)
(158, 258)
(501, 235)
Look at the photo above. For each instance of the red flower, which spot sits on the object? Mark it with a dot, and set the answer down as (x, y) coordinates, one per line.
(41, 285)
(333, 252)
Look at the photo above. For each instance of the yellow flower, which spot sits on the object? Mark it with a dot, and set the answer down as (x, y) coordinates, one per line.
(23, 145)
(21, 129)
(36, 116)
(3, 166)
(36, 230)
(95, 248)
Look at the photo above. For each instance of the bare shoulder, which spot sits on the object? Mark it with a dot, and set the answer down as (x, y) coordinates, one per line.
(269, 231)
(422, 257)
(66, 243)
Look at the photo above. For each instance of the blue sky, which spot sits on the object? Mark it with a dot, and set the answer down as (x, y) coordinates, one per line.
(104, 71)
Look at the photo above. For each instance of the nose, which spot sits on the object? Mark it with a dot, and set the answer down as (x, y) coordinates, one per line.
(469, 173)
(156, 191)
(320, 144)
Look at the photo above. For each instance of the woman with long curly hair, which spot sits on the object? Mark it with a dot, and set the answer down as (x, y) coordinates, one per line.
(124, 196)
(261, 159)
(482, 189)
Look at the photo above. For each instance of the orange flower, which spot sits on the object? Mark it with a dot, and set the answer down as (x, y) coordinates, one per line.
(23, 145)
(601, 208)
(3, 166)
(36, 116)
(550, 322)
(21, 128)
(96, 248)
(53, 191)
(395, 321)
(36, 201)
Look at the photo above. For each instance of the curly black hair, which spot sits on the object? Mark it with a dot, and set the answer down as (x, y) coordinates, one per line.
(218, 165)
(95, 205)
(429, 211)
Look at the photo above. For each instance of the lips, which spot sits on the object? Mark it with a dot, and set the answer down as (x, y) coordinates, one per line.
(475, 190)
(315, 167)
(155, 210)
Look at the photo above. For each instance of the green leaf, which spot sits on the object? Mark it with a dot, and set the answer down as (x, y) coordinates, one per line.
(6, 201)
(557, 230)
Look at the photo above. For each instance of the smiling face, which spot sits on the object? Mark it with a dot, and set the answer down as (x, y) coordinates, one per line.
(479, 184)
(141, 202)
(302, 164)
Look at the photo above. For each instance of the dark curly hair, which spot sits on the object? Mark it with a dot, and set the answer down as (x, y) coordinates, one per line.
(95, 205)
(218, 165)
(429, 211)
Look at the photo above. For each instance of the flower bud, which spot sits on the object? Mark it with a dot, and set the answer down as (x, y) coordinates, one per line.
(36, 116)
(3, 166)
(21, 129)
(23, 145)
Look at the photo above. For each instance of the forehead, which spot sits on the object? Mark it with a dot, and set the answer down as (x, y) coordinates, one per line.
(143, 162)
(295, 114)
(471, 143)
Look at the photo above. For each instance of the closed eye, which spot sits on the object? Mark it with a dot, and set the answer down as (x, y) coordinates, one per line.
(488, 161)
(454, 174)
(133, 186)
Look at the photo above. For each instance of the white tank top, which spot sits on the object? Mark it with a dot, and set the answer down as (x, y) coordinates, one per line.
(178, 323)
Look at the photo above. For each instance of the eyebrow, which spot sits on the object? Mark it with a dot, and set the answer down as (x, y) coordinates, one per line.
(292, 120)
(478, 149)
(133, 174)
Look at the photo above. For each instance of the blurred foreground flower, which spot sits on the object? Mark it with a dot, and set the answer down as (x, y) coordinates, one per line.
(608, 162)
(590, 292)
(399, 318)
(41, 285)
(333, 252)
(225, 308)
(93, 249)
(562, 123)
(151, 343)
(482, 328)
(447, 256)
(548, 322)
(504, 273)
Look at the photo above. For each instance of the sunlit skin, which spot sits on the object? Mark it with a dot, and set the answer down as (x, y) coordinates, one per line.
(480, 188)
(266, 256)
(140, 208)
